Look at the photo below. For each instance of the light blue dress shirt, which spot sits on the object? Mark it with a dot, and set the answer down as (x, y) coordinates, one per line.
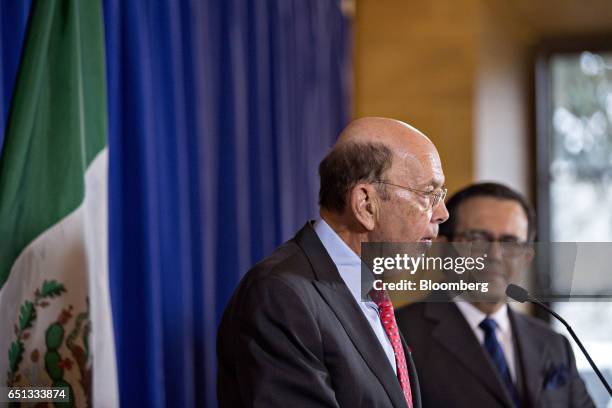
(349, 267)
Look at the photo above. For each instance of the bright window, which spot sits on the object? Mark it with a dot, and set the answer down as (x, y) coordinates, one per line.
(575, 185)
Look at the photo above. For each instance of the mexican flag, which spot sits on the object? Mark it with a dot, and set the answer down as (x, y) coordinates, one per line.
(55, 317)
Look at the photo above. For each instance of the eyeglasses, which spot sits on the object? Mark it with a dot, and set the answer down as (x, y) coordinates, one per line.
(434, 196)
(483, 240)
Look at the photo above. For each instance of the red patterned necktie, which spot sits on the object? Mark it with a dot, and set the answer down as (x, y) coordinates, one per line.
(385, 308)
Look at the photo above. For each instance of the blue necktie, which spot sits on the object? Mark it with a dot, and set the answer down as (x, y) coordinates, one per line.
(497, 355)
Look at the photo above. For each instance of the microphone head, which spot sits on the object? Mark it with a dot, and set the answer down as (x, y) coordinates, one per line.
(517, 293)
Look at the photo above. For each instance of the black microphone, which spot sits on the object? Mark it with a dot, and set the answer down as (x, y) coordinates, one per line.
(521, 295)
(517, 293)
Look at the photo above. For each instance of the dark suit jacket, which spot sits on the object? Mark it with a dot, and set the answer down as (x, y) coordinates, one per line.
(455, 370)
(293, 336)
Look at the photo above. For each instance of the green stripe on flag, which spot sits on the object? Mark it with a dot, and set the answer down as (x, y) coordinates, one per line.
(57, 122)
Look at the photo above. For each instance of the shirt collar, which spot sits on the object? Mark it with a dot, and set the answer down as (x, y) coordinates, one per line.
(474, 316)
(346, 260)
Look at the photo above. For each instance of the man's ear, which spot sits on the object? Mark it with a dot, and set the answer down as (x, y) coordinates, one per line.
(363, 202)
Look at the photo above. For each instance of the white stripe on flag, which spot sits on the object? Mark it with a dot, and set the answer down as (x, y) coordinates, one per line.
(74, 253)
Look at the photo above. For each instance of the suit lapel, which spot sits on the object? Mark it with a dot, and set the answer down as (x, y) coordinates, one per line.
(454, 334)
(337, 295)
(532, 352)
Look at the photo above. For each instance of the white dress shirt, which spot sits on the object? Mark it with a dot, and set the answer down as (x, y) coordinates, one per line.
(349, 268)
(503, 332)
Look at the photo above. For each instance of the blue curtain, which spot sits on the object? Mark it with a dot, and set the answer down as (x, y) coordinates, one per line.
(219, 112)
(13, 22)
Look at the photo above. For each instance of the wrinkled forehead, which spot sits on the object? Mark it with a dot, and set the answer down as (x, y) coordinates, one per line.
(418, 165)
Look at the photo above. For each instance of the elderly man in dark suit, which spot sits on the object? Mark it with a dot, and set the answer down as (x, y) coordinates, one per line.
(477, 351)
(297, 332)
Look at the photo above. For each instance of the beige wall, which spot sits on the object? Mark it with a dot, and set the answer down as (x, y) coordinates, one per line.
(415, 61)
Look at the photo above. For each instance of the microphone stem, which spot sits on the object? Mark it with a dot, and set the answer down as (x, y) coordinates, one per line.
(571, 332)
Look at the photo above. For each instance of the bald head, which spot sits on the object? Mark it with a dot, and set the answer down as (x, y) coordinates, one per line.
(390, 132)
(411, 149)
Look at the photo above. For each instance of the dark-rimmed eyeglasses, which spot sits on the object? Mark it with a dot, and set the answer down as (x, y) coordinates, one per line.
(482, 241)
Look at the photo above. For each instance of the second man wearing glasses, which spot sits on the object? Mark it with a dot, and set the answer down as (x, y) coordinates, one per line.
(478, 352)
